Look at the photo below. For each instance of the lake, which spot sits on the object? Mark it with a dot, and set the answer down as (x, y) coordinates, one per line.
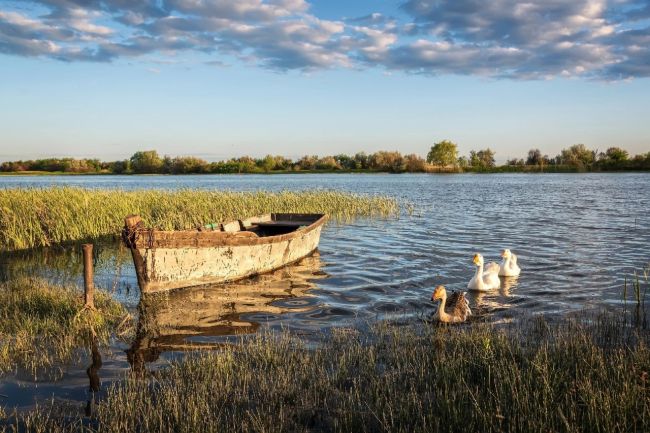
(578, 238)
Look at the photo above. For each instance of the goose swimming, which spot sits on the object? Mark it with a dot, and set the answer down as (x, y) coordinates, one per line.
(484, 279)
(509, 267)
(454, 309)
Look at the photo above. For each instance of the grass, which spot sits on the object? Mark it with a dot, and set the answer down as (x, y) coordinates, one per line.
(638, 296)
(43, 326)
(586, 374)
(36, 217)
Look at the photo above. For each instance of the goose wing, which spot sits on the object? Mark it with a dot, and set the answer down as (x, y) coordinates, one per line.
(492, 268)
(458, 306)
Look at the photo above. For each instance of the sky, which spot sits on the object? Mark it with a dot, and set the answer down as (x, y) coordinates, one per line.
(220, 79)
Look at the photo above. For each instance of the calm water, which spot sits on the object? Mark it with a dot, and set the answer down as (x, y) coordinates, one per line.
(578, 236)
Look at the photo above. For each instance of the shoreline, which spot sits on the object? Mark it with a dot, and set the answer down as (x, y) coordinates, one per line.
(315, 172)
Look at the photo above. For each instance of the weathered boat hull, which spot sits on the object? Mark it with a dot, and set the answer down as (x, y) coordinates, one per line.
(172, 260)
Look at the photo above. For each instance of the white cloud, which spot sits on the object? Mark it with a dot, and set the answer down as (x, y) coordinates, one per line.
(500, 38)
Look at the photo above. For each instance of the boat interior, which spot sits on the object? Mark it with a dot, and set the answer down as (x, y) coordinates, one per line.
(265, 225)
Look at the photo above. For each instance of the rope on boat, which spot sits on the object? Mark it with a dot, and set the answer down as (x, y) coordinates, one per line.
(131, 235)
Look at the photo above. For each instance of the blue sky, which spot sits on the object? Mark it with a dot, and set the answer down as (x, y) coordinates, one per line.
(217, 79)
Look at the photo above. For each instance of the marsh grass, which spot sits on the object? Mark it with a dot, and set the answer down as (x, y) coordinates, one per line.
(584, 374)
(639, 293)
(42, 326)
(46, 216)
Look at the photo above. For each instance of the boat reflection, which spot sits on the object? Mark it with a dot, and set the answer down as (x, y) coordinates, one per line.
(194, 318)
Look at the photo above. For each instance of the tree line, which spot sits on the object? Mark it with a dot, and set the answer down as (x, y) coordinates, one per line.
(443, 156)
(574, 158)
(150, 162)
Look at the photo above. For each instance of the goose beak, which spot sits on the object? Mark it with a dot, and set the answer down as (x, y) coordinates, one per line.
(503, 254)
(476, 259)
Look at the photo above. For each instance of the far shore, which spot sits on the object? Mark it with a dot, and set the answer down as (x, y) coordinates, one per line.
(495, 170)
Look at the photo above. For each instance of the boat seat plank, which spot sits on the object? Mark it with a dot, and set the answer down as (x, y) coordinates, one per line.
(295, 224)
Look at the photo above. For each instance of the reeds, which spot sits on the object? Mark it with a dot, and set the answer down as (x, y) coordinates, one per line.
(43, 326)
(568, 376)
(638, 316)
(45, 216)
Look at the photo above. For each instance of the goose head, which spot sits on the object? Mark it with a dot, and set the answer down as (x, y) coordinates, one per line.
(478, 259)
(438, 293)
(506, 253)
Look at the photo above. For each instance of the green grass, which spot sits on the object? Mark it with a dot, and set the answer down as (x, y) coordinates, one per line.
(43, 326)
(588, 375)
(46, 216)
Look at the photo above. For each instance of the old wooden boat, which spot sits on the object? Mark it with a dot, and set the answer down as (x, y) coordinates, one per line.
(217, 253)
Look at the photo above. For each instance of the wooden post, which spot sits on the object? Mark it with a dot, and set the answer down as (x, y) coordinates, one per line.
(89, 286)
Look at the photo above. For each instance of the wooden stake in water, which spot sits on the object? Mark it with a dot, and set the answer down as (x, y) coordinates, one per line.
(89, 286)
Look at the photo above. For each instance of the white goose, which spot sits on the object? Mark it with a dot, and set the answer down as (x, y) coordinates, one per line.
(454, 309)
(484, 280)
(509, 267)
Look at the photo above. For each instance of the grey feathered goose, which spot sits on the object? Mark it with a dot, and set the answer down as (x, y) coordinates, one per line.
(452, 309)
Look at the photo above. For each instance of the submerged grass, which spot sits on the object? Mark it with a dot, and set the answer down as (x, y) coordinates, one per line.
(44, 216)
(571, 376)
(43, 326)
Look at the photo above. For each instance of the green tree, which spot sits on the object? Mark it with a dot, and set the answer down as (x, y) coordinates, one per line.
(578, 156)
(282, 163)
(146, 161)
(361, 160)
(414, 163)
(387, 161)
(327, 163)
(515, 162)
(474, 160)
(482, 159)
(267, 163)
(616, 154)
(307, 162)
(167, 165)
(243, 164)
(443, 153)
(346, 162)
(188, 164)
(120, 167)
(486, 158)
(534, 157)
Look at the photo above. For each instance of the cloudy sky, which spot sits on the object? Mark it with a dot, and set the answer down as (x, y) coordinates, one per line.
(217, 78)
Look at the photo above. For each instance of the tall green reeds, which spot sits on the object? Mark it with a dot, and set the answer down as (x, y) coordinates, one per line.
(46, 216)
(639, 316)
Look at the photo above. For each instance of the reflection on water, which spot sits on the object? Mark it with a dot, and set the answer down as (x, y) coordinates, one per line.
(93, 376)
(197, 318)
(495, 303)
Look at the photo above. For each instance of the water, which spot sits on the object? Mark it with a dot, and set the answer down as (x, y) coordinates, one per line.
(577, 236)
